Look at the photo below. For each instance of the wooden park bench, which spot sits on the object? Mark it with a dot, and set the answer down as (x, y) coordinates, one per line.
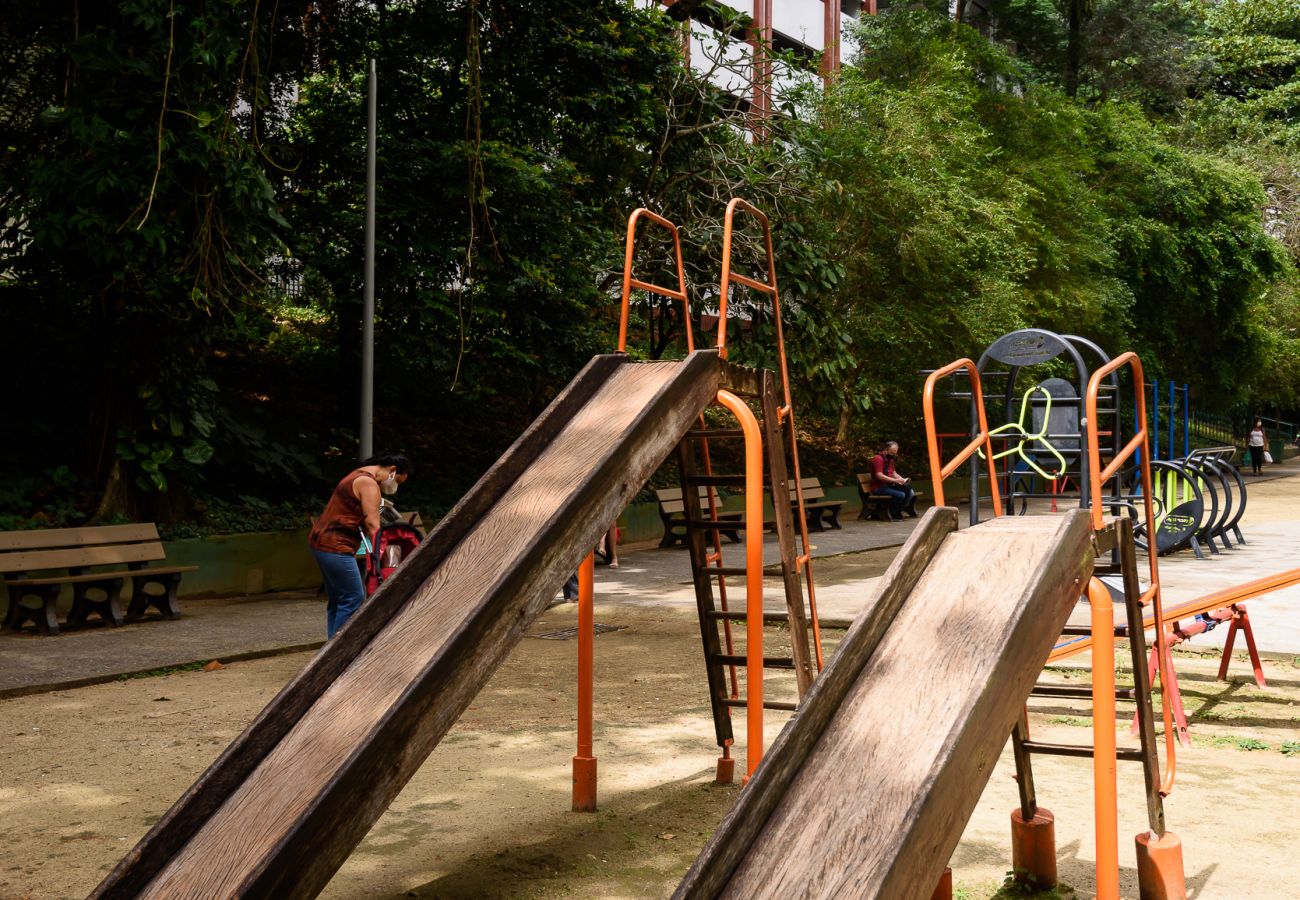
(672, 512)
(97, 559)
(817, 509)
(876, 506)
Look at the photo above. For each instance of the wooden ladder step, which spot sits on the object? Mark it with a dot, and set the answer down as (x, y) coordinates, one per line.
(718, 524)
(1077, 693)
(719, 480)
(1080, 750)
(740, 616)
(769, 662)
(706, 433)
(767, 704)
(726, 570)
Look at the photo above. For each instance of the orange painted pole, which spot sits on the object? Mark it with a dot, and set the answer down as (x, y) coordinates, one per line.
(584, 762)
(1104, 782)
(940, 470)
(1097, 477)
(753, 577)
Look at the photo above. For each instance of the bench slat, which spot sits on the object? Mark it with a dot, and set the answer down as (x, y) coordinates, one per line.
(101, 576)
(85, 536)
(33, 560)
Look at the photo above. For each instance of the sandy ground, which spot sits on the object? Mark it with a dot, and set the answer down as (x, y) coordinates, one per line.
(87, 771)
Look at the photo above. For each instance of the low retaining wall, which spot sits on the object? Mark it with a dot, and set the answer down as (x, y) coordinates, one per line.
(235, 564)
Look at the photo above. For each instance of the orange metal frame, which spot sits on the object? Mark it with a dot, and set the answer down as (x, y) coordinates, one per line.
(1100, 603)
(938, 469)
(1096, 477)
(785, 414)
(629, 282)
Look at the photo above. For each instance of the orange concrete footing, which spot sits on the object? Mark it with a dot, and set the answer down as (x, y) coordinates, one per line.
(1033, 848)
(584, 784)
(726, 770)
(1160, 867)
(943, 891)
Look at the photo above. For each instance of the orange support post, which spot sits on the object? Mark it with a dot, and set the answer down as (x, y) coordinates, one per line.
(1105, 785)
(943, 891)
(584, 762)
(1160, 867)
(753, 577)
(1033, 848)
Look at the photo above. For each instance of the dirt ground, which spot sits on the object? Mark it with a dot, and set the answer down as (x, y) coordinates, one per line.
(87, 771)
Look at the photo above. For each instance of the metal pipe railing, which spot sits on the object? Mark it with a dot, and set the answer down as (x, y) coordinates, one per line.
(938, 470)
(629, 282)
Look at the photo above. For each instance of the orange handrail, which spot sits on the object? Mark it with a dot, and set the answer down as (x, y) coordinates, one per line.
(785, 414)
(1097, 476)
(629, 282)
(753, 577)
(939, 471)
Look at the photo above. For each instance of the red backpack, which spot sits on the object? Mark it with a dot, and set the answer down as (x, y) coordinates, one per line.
(393, 543)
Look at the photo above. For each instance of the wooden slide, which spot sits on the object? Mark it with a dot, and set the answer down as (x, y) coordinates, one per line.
(867, 790)
(285, 804)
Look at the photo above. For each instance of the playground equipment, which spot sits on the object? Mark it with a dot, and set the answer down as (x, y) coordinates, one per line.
(288, 800)
(1080, 423)
(1200, 500)
(866, 791)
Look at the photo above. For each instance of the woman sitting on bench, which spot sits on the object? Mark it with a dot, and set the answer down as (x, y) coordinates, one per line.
(886, 480)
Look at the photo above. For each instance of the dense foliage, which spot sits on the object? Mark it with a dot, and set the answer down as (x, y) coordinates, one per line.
(180, 261)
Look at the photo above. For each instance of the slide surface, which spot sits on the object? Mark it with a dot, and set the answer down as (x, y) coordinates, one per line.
(868, 788)
(281, 809)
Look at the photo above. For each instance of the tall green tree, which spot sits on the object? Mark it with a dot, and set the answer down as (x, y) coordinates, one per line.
(138, 217)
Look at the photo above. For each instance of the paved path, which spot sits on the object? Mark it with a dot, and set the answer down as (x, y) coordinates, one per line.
(845, 568)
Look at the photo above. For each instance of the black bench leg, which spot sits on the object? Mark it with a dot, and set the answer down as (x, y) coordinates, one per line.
(814, 519)
(109, 609)
(166, 603)
(45, 617)
(669, 538)
(833, 518)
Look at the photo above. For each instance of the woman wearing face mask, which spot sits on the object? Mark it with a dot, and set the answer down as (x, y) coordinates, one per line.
(335, 537)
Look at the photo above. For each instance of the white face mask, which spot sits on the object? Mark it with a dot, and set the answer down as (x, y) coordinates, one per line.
(389, 484)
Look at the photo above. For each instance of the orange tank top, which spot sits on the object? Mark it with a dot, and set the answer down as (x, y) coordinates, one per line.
(338, 529)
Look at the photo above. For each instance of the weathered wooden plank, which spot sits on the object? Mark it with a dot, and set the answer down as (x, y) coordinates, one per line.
(48, 538)
(287, 826)
(919, 732)
(115, 554)
(787, 754)
(246, 751)
(880, 803)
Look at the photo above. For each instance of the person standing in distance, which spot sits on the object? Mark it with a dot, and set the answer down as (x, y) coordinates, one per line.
(1256, 440)
(886, 480)
(336, 535)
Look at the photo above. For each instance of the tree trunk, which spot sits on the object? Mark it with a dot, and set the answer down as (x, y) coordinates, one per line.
(1073, 50)
(846, 417)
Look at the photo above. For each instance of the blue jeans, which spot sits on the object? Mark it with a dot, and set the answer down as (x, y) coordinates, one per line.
(343, 587)
(900, 496)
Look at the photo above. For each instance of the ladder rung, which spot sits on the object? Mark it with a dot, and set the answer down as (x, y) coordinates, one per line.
(707, 433)
(719, 524)
(726, 570)
(1085, 630)
(719, 480)
(767, 704)
(769, 662)
(1077, 693)
(740, 615)
(1080, 750)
